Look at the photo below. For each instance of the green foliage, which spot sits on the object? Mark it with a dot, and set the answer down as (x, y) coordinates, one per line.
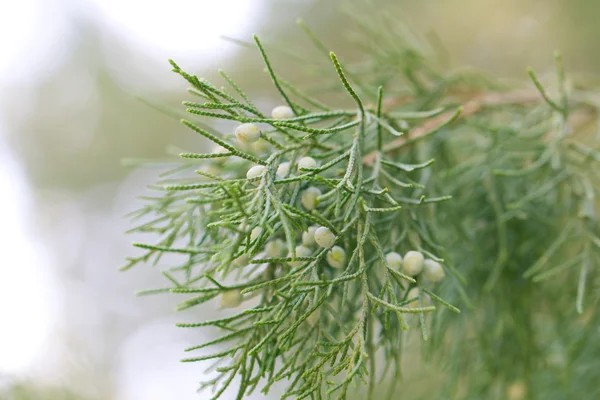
(27, 390)
(496, 185)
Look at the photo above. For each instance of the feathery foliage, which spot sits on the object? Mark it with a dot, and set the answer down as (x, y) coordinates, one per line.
(495, 184)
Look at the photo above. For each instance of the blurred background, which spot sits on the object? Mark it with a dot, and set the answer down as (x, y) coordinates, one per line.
(70, 75)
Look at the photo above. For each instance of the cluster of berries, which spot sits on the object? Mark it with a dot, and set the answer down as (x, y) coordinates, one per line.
(414, 263)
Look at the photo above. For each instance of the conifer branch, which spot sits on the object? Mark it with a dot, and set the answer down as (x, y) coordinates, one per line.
(341, 225)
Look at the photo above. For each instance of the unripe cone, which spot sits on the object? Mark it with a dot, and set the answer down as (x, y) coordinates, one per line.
(324, 237)
(424, 299)
(336, 257)
(308, 237)
(260, 146)
(283, 170)
(231, 298)
(282, 112)
(309, 198)
(255, 172)
(413, 294)
(307, 162)
(255, 232)
(412, 264)
(247, 133)
(433, 271)
(275, 248)
(218, 149)
(301, 251)
(241, 261)
(394, 260)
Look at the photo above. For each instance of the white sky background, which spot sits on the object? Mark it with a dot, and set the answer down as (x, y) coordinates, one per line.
(28, 301)
(34, 37)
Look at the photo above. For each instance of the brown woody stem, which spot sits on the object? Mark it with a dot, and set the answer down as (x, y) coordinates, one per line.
(469, 108)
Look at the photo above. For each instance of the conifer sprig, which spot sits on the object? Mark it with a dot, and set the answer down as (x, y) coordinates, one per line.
(232, 224)
(300, 220)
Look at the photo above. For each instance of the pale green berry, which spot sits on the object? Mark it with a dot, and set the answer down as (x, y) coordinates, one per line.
(413, 263)
(275, 248)
(324, 237)
(255, 172)
(247, 133)
(336, 257)
(301, 251)
(433, 271)
(412, 295)
(423, 298)
(218, 149)
(308, 237)
(241, 261)
(282, 112)
(309, 198)
(307, 162)
(394, 260)
(255, 232)
(231, 298)
(283, 170)
(260, 147)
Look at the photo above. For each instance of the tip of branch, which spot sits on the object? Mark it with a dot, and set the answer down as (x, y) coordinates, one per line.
(174, 65)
